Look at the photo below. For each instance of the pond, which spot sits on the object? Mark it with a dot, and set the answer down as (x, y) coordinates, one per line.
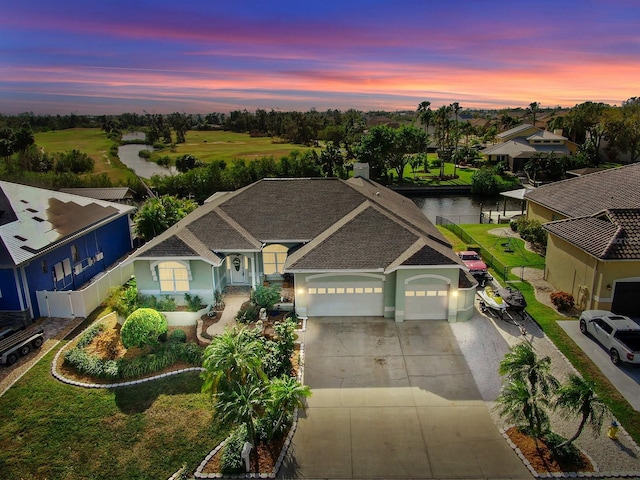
(128, 155)
(466, 209)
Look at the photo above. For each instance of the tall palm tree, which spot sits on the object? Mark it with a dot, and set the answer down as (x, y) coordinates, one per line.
(425, 115)
(534, 108)
(241, 403)
(531, 384)
(517, 404)
(578, 398)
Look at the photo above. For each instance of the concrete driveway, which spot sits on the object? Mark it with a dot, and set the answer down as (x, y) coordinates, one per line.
(626, 378)
(393, 401)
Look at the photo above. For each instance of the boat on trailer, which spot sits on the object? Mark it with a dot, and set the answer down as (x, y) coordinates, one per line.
(514, 299)
(491, 298)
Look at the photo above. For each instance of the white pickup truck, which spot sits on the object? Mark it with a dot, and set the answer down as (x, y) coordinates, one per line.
(618, 334)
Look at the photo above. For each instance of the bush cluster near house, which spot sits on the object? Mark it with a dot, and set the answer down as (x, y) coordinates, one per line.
(250, 379)
(562, 300)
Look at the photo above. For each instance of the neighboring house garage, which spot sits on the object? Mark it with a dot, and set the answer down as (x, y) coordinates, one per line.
(349, 248)
(625, 298)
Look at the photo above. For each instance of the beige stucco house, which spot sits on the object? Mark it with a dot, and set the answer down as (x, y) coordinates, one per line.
(593, 249)
(517, 145)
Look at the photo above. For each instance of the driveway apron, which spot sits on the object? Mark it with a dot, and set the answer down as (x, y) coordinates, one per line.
(393, 400)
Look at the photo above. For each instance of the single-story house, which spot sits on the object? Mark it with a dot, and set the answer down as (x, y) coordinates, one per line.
(352, 248)
(517, 145)
(54, 241)
(593, 248)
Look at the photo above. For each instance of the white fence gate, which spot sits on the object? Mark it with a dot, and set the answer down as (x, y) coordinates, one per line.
(80, 303)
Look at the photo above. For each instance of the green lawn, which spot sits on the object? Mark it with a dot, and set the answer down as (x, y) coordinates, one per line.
(56, 431)
(520, 256)
(218, 145)
(92, 141)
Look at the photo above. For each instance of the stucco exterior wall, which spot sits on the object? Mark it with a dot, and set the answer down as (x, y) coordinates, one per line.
(569, 269)
(608, 274)
(542, 214)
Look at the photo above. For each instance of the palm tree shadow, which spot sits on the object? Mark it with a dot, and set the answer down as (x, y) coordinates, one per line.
(139, 398)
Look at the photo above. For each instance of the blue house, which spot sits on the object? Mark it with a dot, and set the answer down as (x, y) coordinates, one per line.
(54, 241)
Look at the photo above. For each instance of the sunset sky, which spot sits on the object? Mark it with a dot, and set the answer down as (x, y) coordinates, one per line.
(114, 56)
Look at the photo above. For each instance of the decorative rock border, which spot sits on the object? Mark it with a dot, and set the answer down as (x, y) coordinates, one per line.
(68, 381)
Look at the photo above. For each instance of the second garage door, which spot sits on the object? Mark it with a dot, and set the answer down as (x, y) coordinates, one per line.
(426, 302)
(625, 299)
(345, 299)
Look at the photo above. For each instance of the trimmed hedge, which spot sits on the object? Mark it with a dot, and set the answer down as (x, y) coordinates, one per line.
(163, 356)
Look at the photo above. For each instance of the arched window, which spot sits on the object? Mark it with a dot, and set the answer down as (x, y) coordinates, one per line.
(173, 276)
(273, 258)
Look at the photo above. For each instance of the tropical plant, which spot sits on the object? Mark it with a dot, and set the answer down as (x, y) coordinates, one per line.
(265, 296)
(233, 357)
(518, 404)
(483, 182)
(578, 398)
(285, 395)
(530, 387)
(194, 302)
(143, 327)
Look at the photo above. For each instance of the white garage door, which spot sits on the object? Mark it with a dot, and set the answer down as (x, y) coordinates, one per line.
(426, 302)
(345, 299)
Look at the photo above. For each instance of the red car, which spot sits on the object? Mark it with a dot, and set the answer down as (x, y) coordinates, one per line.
(475, 264)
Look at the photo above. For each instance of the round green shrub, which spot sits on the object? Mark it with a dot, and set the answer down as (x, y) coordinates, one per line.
(178, 336)
(143, 327)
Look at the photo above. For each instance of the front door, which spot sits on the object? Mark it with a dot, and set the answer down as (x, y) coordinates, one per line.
(237, 269)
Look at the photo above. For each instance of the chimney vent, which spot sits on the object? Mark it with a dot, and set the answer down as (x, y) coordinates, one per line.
(361, 170)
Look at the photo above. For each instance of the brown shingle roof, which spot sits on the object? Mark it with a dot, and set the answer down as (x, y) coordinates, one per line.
(610, 235)
(587, 195)
(294, 209)
(356, 224)
(370, 240)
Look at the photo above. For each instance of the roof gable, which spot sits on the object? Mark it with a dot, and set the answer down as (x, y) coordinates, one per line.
(610, 235)
(370, 240)
(589, 194)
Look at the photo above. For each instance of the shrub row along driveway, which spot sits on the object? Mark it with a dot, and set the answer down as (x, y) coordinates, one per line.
(393, 400)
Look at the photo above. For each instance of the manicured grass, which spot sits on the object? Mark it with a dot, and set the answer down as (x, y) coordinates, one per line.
(547, 318)
(52, 430)
(208, 146)
(520, 255)
(92, 141)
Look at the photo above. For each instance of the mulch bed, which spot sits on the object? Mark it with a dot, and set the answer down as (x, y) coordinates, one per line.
(263, 459)
(541, 458)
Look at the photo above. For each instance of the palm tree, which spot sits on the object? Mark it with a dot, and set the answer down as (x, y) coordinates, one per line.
(522, 363)
(425, 115)
(235, 357)
(241, 403)
(533, 109)
(517, 404)
(577, 397)
(286, 394)
(530, 387)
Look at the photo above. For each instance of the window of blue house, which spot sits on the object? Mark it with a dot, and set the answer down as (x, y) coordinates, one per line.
(273, 258)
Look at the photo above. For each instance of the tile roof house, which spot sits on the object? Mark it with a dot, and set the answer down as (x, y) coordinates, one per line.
(353, 248)
(593, 248)
(53, 241)
(517, 145)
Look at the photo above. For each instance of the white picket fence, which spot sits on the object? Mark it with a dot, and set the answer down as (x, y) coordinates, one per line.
(80, 303)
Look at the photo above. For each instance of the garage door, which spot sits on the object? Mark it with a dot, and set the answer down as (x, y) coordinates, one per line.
(345, 299)
(426, 302)
(625, 299)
